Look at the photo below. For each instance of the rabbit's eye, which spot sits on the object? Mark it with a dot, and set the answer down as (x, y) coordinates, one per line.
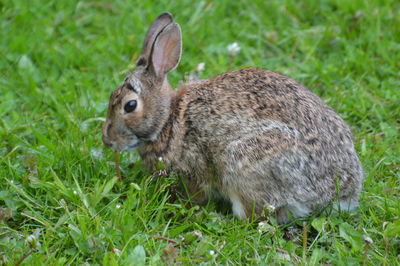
(130, 106)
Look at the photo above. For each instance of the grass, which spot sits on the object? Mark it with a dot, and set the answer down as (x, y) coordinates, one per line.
(59, 199)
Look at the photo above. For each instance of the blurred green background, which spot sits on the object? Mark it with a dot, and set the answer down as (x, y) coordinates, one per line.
(59, 62)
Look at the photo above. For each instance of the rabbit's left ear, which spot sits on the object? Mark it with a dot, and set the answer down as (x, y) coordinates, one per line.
(154, 30)
(166, 51)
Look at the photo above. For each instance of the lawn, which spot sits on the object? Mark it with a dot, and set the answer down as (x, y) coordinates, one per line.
(59, 199)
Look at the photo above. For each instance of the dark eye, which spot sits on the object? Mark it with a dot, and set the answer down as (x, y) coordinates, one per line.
(130, 106)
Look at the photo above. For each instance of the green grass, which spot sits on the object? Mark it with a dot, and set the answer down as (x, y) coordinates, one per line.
(59, 62)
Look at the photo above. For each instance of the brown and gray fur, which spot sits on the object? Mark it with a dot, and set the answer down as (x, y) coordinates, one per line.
(256, 137)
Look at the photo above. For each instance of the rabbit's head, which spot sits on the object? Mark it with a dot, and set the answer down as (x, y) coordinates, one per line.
(140, 107)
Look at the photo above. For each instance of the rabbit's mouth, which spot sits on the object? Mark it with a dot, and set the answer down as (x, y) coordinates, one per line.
(127, 143)
(130, 145)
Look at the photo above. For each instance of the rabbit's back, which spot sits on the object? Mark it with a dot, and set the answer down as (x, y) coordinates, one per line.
(257, 104)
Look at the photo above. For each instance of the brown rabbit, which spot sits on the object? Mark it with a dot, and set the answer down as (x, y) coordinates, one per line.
(257, 138)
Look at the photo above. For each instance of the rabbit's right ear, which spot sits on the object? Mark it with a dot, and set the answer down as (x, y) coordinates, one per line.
(156, 27)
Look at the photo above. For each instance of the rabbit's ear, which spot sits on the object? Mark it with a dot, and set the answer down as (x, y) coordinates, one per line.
(167, 50)
(156, 27)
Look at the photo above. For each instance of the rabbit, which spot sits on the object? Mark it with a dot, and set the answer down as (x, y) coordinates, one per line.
(254, 137)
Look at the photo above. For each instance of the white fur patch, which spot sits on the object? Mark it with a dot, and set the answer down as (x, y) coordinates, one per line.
(237, 206)
(298, 209)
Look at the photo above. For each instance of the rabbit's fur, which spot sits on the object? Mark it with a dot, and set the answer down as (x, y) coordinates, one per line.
(256, 137)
